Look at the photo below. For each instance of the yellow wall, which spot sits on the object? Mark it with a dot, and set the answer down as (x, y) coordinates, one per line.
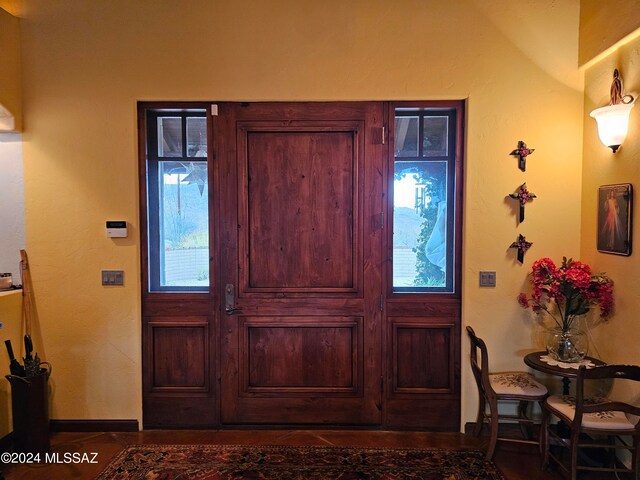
(87, 63)
(617, 341)
(10, 82)
(603, 24)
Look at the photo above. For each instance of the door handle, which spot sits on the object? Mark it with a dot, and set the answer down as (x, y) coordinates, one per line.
(230, 300)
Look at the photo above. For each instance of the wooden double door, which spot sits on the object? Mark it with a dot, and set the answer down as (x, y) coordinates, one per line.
(298, 327)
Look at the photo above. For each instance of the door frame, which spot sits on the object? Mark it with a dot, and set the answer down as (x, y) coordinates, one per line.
(200, 407)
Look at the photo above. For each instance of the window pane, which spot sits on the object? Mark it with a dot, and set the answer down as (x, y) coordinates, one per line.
(420, 224)
(434, 140)
(196, 137)
(184, 224)
(169, 137)
(406, 137)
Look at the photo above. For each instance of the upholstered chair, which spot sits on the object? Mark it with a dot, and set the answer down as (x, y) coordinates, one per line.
(499, 388)
(593, 423)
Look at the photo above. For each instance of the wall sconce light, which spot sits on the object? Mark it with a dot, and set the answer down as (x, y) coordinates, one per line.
(613, 120)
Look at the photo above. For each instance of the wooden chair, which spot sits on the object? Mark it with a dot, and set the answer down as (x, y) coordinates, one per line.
(594, 423)
(518, 387)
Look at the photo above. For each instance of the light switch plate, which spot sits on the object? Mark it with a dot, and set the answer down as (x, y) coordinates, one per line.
(112, 277)
(487, 279)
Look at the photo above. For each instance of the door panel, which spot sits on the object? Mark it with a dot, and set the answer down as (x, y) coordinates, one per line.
(424, 367)
(292, 355)
(178, 380)
(179, 354)
(422, 354)
(304, 346)
(301, 231)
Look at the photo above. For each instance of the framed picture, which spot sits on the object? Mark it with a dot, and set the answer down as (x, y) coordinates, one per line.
(614, 218)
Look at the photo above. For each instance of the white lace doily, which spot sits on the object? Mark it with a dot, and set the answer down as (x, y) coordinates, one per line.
(556, 363)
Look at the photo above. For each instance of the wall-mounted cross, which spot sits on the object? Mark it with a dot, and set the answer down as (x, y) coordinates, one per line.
(523, 195)
(522, 245)
(522, 152)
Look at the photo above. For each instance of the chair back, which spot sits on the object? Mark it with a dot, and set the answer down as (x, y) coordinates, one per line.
(479, 366)
(624, 372)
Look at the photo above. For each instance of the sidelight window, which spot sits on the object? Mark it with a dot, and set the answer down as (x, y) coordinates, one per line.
(424, 200)
(177, 201)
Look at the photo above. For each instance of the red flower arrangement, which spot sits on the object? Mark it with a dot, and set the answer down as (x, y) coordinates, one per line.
(567, 291)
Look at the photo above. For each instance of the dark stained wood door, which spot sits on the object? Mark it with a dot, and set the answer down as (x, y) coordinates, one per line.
(301, 262)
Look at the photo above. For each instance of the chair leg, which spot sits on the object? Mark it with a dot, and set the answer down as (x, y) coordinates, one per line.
(544, 438)
(493, 438)
(477, 429)
(574, 455)
(634, 457)
(522, 414)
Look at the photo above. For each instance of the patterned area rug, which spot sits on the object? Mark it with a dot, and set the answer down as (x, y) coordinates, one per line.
(231, 462)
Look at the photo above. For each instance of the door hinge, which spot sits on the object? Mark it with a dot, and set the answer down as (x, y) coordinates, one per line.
(214, 109)
(381, 220)
(382, 303)
(384, 134)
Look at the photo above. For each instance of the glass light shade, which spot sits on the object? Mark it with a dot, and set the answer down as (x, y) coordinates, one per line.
(613, 123)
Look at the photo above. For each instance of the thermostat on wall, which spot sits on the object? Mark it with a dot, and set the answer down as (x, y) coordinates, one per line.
(116, 228)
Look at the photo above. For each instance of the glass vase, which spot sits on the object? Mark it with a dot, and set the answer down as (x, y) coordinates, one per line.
(567, 345)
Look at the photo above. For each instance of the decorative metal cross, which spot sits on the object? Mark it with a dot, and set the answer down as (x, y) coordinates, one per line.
(522, 152)
(523, 195)
(522, 245)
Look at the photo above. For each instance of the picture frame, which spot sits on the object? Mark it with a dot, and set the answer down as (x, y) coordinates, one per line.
(615, 203)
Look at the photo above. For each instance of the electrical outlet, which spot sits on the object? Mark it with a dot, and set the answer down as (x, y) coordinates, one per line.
(487, 279)
(112, 277)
